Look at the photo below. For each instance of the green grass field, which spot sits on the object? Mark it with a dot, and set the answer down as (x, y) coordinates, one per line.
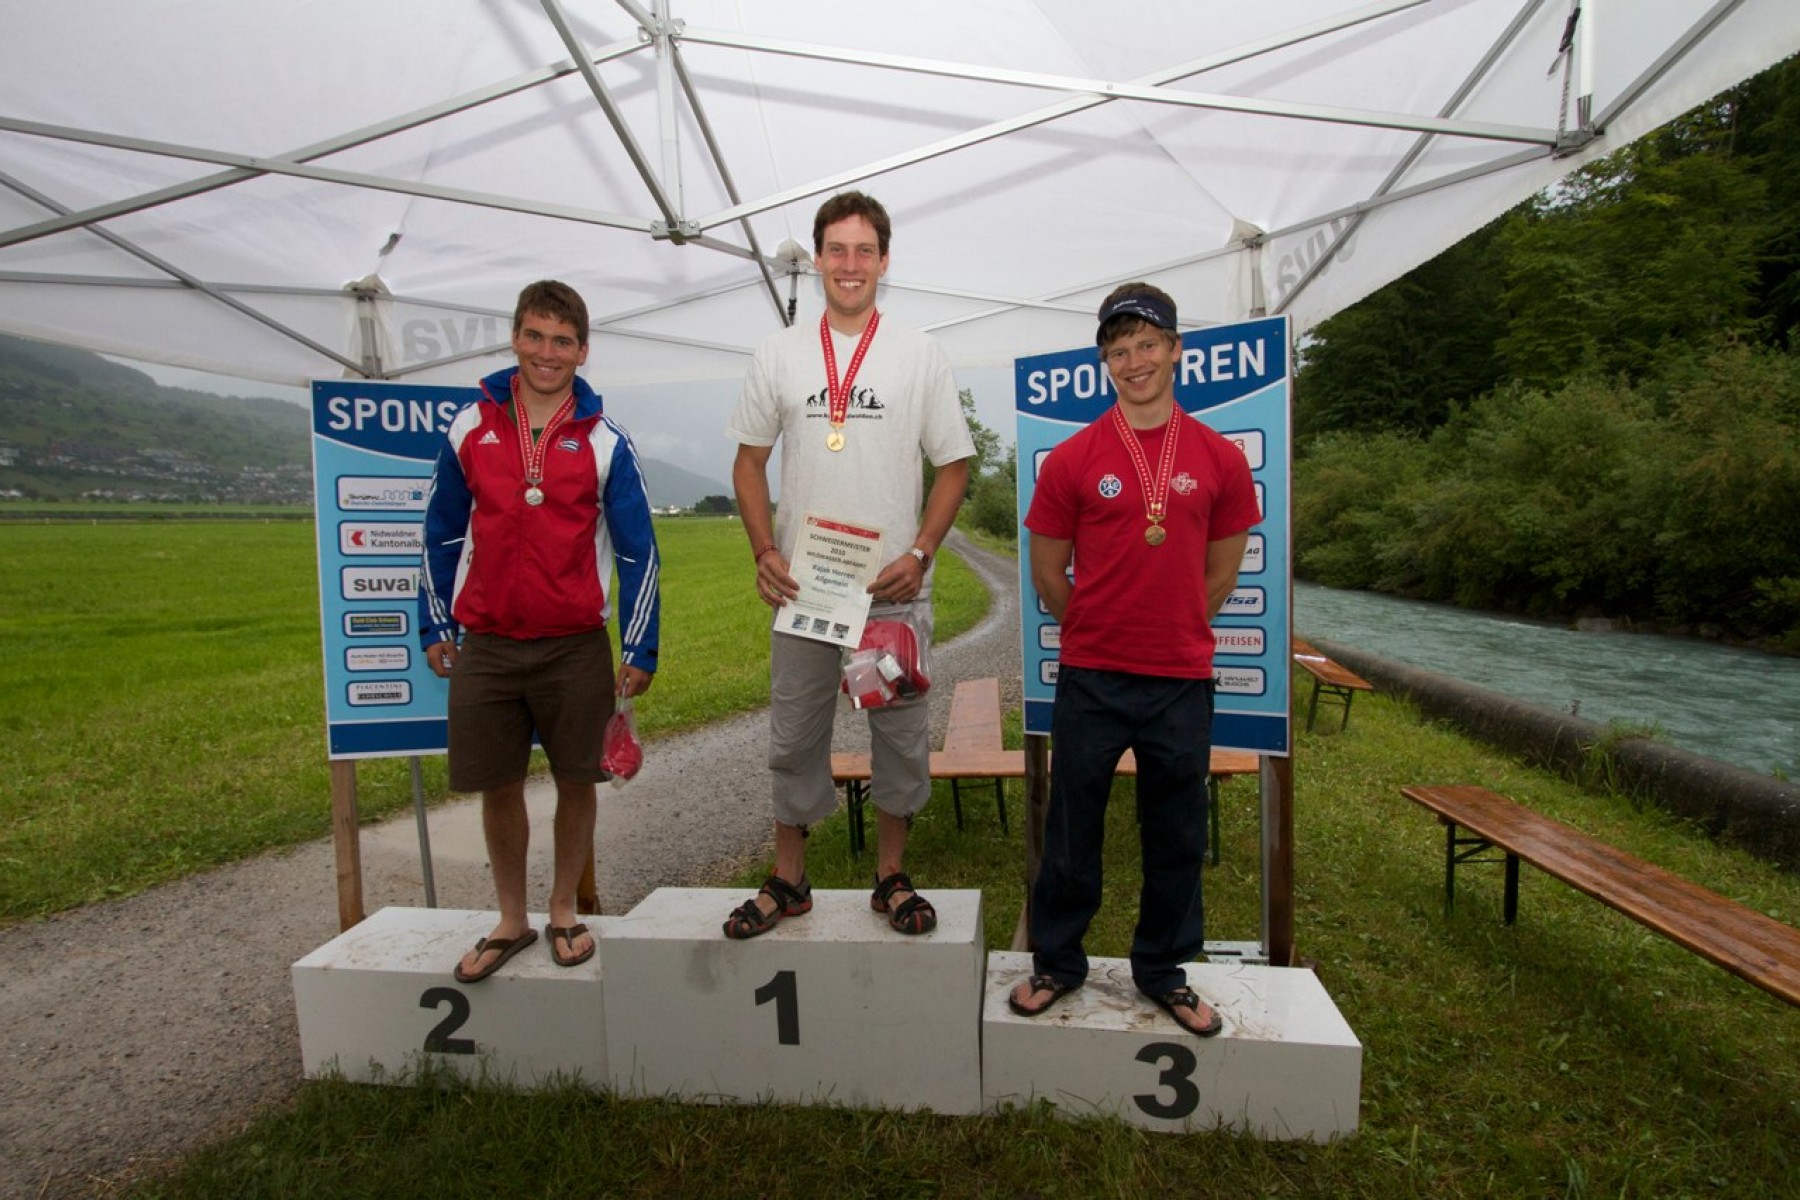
(161, 711)
(1574, 1055)
(162, 698)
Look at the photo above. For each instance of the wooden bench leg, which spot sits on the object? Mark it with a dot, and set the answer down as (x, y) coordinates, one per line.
(854, 796)
(1000, 802)
(1312, 710)
(1465, 849)
(1212, 799)
(1349, 695)
(956, 801)
(1512, 888)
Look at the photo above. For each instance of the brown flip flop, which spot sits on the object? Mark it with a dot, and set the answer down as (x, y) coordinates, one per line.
(568, 933)
(507, 948)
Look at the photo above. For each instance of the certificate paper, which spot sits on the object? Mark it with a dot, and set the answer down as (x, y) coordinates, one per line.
(834, 564)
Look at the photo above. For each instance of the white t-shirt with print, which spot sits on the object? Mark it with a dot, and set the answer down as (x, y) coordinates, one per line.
(903, 409)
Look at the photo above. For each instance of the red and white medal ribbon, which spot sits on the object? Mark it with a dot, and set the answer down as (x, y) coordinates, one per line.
(838, 394)
(533, 455)
(1155, 488)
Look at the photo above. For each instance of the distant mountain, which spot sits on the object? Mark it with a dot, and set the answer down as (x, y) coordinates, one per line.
(669, 485)
(73, 424)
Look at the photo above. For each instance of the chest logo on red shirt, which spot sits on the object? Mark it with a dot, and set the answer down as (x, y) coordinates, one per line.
(1184, 483)
(490, 438)
(1110, 487)
(569, 444)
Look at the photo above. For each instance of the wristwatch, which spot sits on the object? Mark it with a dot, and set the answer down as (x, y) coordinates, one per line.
(924, 558)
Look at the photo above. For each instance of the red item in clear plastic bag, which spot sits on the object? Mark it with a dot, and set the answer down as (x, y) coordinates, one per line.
(621, 755)
(885, 666)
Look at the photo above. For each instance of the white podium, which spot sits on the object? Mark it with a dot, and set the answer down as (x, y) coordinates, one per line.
(379, 999)
(829, 1008)
(1285, 1067)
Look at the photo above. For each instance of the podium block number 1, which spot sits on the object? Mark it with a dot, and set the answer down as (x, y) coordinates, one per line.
(1177, 1077)
(784, 990)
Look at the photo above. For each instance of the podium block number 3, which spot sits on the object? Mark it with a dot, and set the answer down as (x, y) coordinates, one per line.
(784, 990)
(1177, 1077)
(439, 1041)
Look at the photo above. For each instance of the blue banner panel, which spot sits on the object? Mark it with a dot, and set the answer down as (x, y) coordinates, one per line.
(374, 445)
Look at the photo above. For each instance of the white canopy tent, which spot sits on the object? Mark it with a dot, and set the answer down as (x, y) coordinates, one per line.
(311, 189)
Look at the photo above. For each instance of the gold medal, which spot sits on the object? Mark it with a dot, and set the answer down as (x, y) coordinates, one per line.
(1155, 486)
(837, 393)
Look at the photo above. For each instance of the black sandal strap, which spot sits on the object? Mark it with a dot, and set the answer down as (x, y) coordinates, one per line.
(897, 882)
(785, 894)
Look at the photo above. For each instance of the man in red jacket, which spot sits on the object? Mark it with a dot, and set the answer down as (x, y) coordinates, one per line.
(1154, 510)
(535, 498)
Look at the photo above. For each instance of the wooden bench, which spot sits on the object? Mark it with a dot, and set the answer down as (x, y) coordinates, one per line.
(1759, 949)
(1330, 679)
(975, 749)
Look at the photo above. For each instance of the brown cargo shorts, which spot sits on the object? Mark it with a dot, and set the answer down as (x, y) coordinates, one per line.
(504, 691)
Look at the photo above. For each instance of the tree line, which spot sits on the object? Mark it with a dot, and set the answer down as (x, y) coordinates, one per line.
(1589, 407)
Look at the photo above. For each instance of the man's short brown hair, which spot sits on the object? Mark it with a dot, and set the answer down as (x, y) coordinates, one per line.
(1116, 325)
(852, 204)
(555, 299)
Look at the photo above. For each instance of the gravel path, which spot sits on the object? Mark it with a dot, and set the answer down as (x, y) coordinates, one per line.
(138, 1030)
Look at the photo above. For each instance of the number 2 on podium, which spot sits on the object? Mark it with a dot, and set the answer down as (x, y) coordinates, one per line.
(784, 990)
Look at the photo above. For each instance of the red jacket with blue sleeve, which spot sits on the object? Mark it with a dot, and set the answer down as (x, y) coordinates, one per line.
(496, 564)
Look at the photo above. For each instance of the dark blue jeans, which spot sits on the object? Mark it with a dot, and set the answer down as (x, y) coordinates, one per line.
(1167, 724)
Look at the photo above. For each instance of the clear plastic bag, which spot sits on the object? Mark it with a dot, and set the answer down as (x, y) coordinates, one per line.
(621, 754)
(890, 664)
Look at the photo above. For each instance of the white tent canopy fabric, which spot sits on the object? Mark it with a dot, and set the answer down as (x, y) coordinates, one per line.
(329, 187)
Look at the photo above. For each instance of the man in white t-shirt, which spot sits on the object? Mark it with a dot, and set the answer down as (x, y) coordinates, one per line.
(858, 403)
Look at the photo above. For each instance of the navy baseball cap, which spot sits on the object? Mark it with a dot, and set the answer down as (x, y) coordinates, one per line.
(1149, 308)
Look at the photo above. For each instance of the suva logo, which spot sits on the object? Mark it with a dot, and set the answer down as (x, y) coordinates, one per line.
(380, 583)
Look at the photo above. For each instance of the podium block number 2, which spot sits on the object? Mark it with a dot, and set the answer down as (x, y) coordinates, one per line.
(1177, 1077)
(439, 1041)
(784, 990)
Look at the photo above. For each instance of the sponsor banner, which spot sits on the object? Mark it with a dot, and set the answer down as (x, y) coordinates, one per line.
(374, 447)
(1236, 378)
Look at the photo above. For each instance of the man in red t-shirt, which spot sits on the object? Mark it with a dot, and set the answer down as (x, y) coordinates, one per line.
(1154, 509)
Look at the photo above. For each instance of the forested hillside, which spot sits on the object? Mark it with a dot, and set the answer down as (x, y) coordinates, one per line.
(1591, 406)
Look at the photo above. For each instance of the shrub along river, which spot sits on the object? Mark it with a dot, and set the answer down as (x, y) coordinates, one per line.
(1739, 706)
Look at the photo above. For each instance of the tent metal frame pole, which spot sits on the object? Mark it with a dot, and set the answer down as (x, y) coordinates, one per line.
(1068, 107)
(1111, 90)
(1697, 33)
(347, 141)
(723, 168)
(667, 117)
(182, 277)
(665, 204)
(1494, 52)
(278, 166)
